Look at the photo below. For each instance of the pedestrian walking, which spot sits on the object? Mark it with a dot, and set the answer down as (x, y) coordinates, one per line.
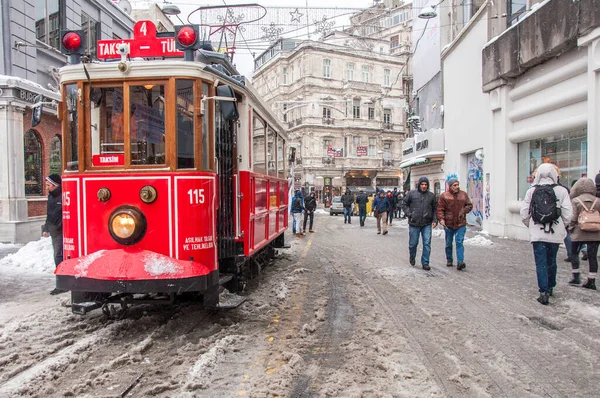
(370, 205)
(546, 211)
(453, 207)
(310, 205)
(381, 206)
(585, 229)
(420, 206)
(361, 201)
(348, 202)
(297, 210)
(53, 225)
(391, 199)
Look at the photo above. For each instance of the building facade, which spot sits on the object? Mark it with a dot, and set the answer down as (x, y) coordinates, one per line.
(538, 101)
(30, 51)
(343, 103)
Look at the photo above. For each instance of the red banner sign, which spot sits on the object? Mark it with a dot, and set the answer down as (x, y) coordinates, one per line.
(361, 151)
(115, 159)
(334, 152)
(144, 44)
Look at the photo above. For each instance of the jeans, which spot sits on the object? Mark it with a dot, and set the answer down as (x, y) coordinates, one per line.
(348, 213)
(390, 216)
(413, 233)
(310, 214)
(592, 248)
(362, 214)
(382, 218)
(459, 233)
(545, 264)
(568, 244)
(298, 220)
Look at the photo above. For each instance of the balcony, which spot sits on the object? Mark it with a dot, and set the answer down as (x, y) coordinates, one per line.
(388, 163)
(295, 123)
(328, 160)
(328, 121)
(387, 126)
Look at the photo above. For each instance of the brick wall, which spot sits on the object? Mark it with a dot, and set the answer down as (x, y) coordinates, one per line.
(46, 130)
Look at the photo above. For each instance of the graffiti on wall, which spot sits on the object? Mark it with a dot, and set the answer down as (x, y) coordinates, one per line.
(487, 209)
(475, 189)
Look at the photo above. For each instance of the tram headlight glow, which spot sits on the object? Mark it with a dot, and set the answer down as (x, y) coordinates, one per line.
(127, 225)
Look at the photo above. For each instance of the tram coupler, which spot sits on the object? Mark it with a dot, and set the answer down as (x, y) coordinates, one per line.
(85, 307)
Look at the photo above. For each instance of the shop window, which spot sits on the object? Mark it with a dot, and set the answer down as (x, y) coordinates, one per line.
(33, 164)
(567, 151)
(55, 155)
(186, 117)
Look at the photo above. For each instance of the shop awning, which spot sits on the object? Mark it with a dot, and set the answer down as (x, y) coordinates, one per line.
(425, 158)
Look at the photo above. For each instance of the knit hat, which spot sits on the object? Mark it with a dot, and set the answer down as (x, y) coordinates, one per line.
(452, 181)
(54, 179)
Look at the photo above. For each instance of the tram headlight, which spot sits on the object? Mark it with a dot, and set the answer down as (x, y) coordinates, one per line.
(127, 225)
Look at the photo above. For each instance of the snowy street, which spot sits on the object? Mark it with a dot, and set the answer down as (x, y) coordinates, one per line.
(339, 314)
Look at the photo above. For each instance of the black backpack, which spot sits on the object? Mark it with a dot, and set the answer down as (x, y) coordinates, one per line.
(544, 207)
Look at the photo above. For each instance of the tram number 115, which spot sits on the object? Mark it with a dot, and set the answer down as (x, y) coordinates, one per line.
(196, 196)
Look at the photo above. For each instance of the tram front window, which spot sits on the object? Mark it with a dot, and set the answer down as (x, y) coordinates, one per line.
(107, 121)
(147, 124)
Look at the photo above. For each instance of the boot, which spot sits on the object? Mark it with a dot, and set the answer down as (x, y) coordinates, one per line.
(426, 267)
(461, 266)
(543, 299)
(590, 284)
(449, 264)
(575, 279)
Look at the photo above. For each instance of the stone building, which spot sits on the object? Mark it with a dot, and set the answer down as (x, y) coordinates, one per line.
(30, 53)
(343, 102)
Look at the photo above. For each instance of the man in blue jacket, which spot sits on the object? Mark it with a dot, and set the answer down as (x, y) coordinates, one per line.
(420, 206)
(381, 207)
(297, 210)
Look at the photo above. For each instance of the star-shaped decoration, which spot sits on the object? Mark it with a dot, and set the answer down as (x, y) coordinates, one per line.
(324, 26)
(296, 15)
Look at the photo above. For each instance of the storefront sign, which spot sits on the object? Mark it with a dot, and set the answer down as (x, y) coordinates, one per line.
(334, 152)
(361, 151)
(116, 159)
(327, 180)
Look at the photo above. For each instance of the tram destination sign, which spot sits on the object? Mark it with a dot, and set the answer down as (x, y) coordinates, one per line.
(144, 44)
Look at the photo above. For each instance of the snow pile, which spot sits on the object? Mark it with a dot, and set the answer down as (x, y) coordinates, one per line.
(35, 257)
(478, 241)
(583, 310)
(7, 245)
(156, 265)
(83, 264)
(321, 211)
(484, 233)
(199, 376)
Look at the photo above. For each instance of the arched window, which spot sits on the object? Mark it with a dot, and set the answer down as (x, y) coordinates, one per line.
(55, 155)
(33, 164)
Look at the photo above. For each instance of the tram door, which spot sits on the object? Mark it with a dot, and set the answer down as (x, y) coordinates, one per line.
(225, 148)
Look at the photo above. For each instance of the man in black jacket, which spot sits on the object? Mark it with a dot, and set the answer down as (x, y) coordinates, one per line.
(348, 202)
(310, 205)
(420, 206)
(53, 225)
(361, 201)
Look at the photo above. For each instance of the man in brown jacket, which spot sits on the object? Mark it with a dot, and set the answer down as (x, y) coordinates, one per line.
(452, 210)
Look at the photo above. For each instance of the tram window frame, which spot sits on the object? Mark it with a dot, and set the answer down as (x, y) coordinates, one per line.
(192, 114)
(259, 167)
(271, 151)
(72, 121)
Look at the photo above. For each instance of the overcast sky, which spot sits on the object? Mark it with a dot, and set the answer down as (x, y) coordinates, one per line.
(243, 58)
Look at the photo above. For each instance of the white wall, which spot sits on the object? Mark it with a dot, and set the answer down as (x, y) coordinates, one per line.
(467, 118)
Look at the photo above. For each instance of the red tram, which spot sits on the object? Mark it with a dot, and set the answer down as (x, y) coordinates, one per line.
(175, 172)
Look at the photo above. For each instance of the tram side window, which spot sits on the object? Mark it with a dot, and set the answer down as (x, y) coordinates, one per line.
(71, 136)
(147, 124)
(205, 133)
(280, 160)
(107, 121)
(271, 152)
(258, 146)
(185, 124)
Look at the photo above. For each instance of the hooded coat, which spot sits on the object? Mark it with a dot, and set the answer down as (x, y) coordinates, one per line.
(310, 203)
(347, 199)
(547, 175)
(420, 207)
(298, 206)
(584, 190)
(53, 224)
(598, 185)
